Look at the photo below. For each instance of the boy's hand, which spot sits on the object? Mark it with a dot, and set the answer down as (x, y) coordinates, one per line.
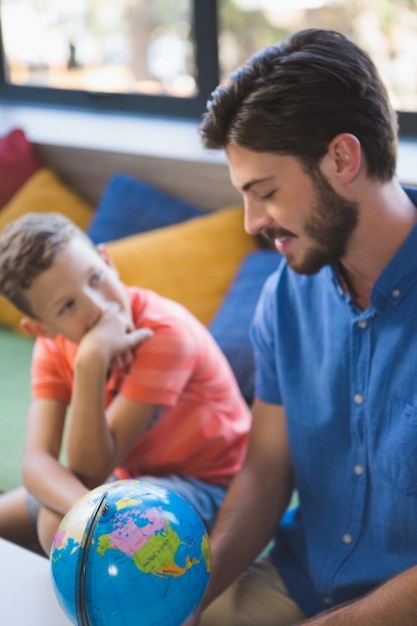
(113, 338)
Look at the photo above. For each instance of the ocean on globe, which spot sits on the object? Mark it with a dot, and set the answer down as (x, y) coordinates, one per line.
(130, 553)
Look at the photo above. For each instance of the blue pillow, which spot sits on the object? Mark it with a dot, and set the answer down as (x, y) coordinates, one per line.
(230, 325)
(129, 206)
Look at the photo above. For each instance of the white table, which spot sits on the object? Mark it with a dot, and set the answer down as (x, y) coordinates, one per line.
(27, 597)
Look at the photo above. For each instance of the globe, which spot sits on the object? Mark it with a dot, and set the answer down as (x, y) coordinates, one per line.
(130, 553)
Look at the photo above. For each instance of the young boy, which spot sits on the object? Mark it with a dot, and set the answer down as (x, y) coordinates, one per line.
(149, 392)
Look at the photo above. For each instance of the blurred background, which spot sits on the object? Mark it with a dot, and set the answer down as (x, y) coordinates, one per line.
(180, 49)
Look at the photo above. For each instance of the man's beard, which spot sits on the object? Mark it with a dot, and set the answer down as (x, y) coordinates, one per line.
(331, 225)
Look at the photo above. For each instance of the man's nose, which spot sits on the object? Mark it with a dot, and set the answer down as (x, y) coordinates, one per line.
(256, 218)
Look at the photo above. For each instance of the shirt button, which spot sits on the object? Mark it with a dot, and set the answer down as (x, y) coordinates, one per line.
(362, 323)
(358, 398)
(327, 601)
(347, 538)
(395, 293)
(358, 469)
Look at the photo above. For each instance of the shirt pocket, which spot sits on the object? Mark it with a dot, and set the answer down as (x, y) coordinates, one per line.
(399, 451)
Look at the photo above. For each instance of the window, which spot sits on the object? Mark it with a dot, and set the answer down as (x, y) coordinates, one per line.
(157, 56)
(166, 56)
(386, 29)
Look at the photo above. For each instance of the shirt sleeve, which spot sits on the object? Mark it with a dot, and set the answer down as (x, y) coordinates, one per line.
(263, 337)
(49, 375)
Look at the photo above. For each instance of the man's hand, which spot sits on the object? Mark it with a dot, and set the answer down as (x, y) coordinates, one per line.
(194, 620)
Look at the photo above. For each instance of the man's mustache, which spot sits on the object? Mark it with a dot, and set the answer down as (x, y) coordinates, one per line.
(276, 233)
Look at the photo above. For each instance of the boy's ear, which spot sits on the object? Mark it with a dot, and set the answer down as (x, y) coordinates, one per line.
(103, 252)
(36, 328)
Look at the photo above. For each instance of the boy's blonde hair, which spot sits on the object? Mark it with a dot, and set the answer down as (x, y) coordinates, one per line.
(28, 247)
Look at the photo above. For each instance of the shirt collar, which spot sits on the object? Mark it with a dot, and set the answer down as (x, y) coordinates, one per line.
(398, 277)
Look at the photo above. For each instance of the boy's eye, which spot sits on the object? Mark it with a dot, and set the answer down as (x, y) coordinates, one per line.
(96, 277)
(66, 307)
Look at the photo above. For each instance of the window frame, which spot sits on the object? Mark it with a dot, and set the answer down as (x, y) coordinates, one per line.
(205, 20)
(407, 123)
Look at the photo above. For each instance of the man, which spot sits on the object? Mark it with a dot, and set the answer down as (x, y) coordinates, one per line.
(310, 140)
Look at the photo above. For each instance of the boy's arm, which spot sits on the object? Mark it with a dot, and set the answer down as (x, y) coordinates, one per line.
(44, 476)
(97, 440)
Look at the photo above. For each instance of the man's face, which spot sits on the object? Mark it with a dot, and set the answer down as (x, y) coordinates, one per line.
(71, 296)
(308, 222)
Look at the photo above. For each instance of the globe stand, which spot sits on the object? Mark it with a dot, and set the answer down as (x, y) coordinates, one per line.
(80, 581)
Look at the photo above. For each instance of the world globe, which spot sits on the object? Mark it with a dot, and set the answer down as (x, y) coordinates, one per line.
(130, 553)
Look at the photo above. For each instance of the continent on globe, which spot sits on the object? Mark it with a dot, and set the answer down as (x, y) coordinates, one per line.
(130, 552)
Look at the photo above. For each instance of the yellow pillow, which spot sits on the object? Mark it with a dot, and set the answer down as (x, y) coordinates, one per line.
(43, 192)
(193, 262)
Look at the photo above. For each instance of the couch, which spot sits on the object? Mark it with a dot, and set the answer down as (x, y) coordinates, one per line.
(175, 227)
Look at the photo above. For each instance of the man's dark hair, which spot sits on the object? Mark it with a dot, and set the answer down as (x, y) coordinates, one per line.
(294, 97)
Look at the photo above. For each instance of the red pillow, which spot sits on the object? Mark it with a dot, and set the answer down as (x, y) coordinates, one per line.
(17, 163)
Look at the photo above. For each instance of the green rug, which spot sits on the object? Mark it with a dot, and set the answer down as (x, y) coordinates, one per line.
(15, 355)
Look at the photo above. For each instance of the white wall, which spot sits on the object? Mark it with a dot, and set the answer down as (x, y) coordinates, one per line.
(141, 135)
(116, 132)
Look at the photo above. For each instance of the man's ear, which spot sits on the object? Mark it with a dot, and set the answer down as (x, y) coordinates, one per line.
(343, 160)
(36, 328)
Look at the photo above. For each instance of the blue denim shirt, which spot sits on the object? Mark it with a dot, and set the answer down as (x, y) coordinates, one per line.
(348, 382)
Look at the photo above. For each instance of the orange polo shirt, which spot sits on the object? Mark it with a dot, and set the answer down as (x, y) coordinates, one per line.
(202, 427)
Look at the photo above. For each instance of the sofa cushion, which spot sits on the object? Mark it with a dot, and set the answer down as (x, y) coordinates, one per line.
(193, 262)
(44, 192)
(129, 206)
(41, 193)
(18, 162)
(230, 326)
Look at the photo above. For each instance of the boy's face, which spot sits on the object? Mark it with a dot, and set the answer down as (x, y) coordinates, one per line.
(70, 297)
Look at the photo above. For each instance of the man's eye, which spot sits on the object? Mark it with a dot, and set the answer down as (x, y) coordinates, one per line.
(267, 196)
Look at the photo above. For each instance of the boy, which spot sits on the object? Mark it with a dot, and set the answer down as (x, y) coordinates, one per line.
(149, 391)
